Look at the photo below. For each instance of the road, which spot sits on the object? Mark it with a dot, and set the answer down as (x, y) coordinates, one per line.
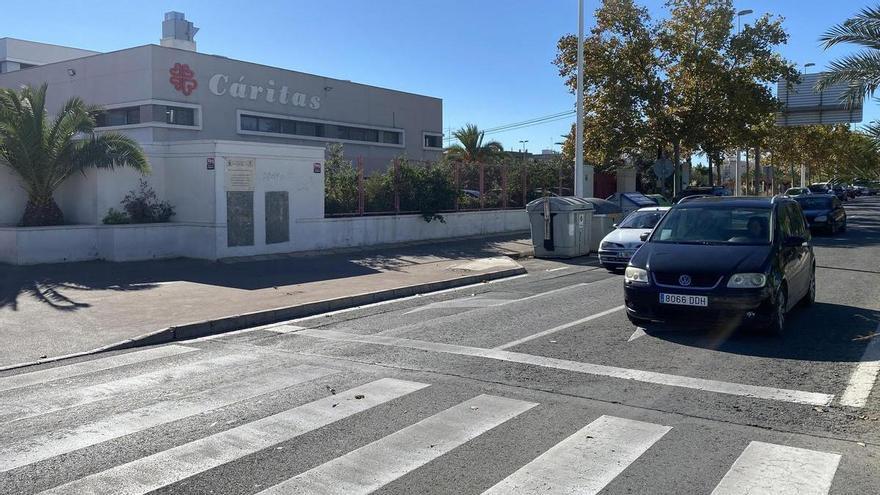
(533, 384)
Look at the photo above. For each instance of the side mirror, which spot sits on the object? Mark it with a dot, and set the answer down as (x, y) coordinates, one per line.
(794, 241)
(614, 225)
(644, 236)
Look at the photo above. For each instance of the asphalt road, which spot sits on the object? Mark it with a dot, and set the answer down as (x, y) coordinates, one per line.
(535, 384)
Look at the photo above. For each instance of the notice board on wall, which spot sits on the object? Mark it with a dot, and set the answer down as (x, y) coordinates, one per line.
(240, 174)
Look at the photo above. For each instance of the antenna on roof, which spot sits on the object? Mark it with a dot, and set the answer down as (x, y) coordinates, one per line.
(177, 32)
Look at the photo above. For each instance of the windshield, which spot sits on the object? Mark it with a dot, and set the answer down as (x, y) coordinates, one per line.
(641, 220)
(710, 224)
(818, 188)
(814, 203)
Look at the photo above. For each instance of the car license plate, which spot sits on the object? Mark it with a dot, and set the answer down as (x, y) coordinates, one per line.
(684, 300)
(625, 254)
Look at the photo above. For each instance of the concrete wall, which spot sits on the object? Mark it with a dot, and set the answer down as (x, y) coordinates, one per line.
(332, 233)
(34, 53)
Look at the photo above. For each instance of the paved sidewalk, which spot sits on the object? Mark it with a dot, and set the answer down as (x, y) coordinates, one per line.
(53, 310)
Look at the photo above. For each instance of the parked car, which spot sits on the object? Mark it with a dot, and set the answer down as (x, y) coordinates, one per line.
(701, 191)
(823, 211)
(820, 188)
(660, 199)
(851, 191)
(618, 246)
(747, 260)
(798, 191)
(839, 191)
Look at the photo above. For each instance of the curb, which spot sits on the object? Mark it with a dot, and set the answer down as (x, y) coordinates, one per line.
(231, 323)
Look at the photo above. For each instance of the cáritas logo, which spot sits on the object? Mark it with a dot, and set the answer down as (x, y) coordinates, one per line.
(183, 78)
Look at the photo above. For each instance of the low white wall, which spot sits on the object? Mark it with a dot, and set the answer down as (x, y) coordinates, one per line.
(32, 245)
(328, 233)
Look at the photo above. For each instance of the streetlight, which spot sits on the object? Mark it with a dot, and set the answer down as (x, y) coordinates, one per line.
(522, 146)
(737, 178)
(739, 18)
(579, 126)
(807, 66)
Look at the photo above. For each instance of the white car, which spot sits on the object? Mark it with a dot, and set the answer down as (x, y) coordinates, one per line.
(618, 246)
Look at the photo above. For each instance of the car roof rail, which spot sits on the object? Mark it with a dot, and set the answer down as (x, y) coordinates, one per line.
(695, 196)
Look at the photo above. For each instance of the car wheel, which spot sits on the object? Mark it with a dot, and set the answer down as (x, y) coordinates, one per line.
(777, 321)
(810, 296)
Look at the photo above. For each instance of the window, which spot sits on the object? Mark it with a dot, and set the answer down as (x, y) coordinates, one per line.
(433, 141)
(313, 129)
(248, 123)
(180, 116)
(118, 116)
(711, 224)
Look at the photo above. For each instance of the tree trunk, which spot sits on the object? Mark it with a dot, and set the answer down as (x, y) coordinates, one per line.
(748, 181)
(711, 177)
(42, 213)
(676, 167)
(758, 175)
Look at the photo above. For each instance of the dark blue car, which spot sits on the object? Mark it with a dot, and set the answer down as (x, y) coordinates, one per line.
(727, 260)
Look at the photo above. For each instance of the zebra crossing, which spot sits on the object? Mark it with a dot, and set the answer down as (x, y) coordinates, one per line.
(585, 462)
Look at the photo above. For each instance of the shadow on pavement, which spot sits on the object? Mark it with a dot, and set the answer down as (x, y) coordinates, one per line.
(56, 284)
(822, 332)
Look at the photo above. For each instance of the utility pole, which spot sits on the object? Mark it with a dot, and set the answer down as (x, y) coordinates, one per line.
(579, 128)
(736, 172)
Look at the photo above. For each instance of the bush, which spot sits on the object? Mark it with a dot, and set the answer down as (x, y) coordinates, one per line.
(340, 186)
(116, 217)
(141, 205)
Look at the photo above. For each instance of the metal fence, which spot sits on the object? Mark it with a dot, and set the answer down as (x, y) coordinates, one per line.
(409, 186)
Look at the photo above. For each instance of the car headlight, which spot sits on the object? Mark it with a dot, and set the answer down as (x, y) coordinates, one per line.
(747, 281)
(821, 218)
(635, 276)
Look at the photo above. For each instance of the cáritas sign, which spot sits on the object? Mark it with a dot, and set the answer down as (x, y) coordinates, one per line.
(222, 84)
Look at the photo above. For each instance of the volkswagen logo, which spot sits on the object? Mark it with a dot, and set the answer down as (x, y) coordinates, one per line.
(684, 280)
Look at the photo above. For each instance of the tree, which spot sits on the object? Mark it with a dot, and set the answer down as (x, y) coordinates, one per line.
(43, 153)
(340, 181)
(470, 147)
(620, 80)
(861, 71)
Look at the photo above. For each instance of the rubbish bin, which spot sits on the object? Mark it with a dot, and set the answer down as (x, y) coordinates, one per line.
(560, 226)
(605, 215)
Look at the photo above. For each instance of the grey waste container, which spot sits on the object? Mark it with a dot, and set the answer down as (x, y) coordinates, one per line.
(560, 226)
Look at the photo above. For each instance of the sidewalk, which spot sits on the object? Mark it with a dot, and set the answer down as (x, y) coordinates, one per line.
(48, 311)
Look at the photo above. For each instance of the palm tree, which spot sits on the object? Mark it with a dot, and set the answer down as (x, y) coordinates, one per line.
(44, 152)
(470, 147)
(861, 71)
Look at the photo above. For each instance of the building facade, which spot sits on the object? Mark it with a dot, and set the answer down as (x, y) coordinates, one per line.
(236, 147)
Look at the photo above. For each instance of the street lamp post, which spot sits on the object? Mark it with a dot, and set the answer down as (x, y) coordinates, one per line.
(803, 167)
(737, 186)
(807, 66)
(579, 128)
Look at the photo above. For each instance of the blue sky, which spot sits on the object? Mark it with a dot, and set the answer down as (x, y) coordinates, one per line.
(490, 60)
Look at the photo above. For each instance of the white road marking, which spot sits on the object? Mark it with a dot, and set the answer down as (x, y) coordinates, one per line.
(375, 465)
(169, 466)
(85, 367)
(356, 308)
(13, 455)
(46, 402)
(768, 469)
(640, 332)
(558, 269)
(470, 302)
(756, 391)
(479, 302)
(559, 328)
(586, 461)
(863, 378)
(285, 328)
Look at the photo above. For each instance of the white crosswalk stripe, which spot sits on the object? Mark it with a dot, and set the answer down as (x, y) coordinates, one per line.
(34, 449)
(85, 367)
(383, 461)
(585, 462)
(769, 469)
(78, 396)
(166, 467)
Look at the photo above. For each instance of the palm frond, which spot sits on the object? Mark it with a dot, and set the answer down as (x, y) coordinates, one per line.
(110, 150)
(862, 29)
(860, 70)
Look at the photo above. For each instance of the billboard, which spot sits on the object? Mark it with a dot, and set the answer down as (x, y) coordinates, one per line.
(803, 105)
